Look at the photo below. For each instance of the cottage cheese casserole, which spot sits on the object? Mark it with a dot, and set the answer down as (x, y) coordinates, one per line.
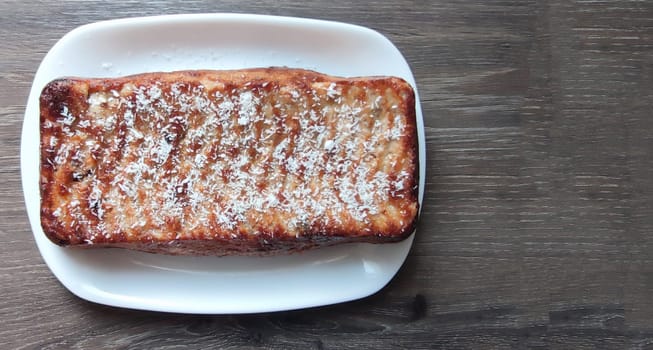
(254, 161)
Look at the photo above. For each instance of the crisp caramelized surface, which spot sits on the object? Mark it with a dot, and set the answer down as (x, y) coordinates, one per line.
(242, 156)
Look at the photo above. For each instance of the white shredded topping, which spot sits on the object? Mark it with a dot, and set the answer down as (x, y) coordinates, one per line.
(247, 109)
(206, 158)
(397, 128)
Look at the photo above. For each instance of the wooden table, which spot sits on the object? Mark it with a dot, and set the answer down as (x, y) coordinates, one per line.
(537, 225)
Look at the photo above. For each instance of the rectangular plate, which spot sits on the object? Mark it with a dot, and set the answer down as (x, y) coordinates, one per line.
(213, 285)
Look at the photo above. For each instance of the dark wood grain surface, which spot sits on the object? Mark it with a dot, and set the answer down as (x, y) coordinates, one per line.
(537, 226)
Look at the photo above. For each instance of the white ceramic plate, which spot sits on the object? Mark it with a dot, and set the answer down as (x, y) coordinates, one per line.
(211, 285)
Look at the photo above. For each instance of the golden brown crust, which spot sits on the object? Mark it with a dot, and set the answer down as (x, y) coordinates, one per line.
(228, 162)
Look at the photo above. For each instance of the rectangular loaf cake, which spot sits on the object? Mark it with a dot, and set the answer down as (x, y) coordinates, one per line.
(252, 161)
